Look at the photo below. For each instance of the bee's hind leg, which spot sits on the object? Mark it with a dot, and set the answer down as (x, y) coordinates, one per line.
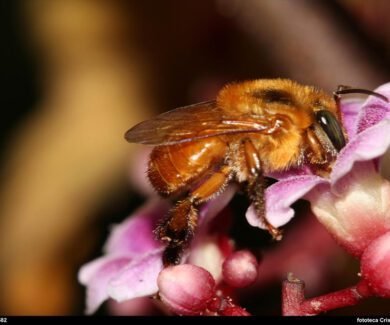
(178, 228)
(256, 187)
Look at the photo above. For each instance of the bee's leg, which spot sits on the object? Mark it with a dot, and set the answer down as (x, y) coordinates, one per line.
(178, 229)
(256, 187)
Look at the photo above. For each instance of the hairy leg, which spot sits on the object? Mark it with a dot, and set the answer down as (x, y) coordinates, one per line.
(178, 229)
(256, 187)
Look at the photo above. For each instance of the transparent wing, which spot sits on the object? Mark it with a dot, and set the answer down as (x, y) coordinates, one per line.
(194, 122)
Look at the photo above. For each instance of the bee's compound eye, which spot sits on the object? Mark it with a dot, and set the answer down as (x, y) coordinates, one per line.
(331, 127)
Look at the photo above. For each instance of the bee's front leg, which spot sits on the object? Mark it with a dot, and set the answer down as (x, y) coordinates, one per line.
(256, 187)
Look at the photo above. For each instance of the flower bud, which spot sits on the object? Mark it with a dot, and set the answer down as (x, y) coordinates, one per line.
(375, 266)
(186, 289)
(234, 311)
(240, 269)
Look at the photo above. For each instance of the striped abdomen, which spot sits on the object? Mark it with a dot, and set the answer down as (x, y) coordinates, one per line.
(173, 167)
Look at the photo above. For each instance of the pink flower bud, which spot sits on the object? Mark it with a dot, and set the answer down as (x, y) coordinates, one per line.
(234, 311)
(240, 269)
(186, 289)
(375, 266)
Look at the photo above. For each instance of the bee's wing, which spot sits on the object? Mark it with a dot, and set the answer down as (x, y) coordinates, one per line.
(194, 122)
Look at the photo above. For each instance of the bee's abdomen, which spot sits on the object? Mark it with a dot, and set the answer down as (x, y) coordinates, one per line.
(173, 167)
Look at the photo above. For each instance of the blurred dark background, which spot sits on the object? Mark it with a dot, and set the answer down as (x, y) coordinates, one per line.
(75, 74)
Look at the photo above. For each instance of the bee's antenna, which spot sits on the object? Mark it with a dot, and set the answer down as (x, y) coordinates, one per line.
(345, 90)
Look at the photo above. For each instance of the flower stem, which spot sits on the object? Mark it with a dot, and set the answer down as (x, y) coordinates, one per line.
(295, 304)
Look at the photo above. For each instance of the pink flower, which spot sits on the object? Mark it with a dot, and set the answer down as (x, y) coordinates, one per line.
(132, 257)
(131, 254)
(354, 203)
(132, 265)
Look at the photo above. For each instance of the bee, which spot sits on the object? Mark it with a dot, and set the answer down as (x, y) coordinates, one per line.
(252, 129)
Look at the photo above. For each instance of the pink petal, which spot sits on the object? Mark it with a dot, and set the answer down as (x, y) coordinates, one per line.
(138, 278)
(87, 271)
(369, 144)
(357, 209)
(212, 207)
(374, 109)
(384, 90)
(371, 115)
(291, 172)
(96, 275)
(135, 236)
(280, 196)
(208, 252)
(350, 110)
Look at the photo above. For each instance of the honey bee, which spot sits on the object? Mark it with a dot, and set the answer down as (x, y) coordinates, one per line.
(252, 128)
